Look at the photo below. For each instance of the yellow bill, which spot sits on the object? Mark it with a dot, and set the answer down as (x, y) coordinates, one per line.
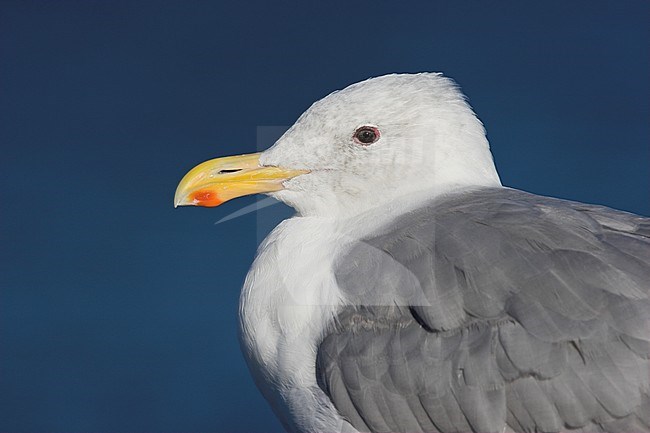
(218, 180)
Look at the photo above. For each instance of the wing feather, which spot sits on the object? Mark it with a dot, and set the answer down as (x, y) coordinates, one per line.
(491, 309)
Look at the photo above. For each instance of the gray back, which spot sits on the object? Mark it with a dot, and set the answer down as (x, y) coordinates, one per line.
(491, 308)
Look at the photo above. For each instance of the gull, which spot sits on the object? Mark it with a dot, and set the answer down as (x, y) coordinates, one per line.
(413, 292)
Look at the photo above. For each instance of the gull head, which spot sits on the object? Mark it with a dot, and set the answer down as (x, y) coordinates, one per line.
(367, 145)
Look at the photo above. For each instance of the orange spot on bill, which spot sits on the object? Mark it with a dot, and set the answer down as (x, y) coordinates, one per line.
(205, 198)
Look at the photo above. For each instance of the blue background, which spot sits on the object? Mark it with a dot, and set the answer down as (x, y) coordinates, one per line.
(118, 312)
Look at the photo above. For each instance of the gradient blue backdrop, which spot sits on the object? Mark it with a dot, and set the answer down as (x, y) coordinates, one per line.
(118, 312)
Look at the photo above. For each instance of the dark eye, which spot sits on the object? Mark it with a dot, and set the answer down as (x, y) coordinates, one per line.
(366, 135)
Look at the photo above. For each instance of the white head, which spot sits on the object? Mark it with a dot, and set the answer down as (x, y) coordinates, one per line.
(360, 147)
(427, 138)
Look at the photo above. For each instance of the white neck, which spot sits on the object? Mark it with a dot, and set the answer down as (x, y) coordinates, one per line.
(288, 299)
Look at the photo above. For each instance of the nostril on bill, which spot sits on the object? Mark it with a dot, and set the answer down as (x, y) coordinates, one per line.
(234, 170)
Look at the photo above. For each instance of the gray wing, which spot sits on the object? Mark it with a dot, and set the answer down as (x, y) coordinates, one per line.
(490, 309)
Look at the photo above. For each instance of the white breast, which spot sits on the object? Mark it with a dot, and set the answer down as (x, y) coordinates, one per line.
(288, 298)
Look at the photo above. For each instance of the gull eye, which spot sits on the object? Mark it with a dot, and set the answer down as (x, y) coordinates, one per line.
(366, 135)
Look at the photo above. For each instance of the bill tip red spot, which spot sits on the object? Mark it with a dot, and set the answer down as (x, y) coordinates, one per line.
(206, 198)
